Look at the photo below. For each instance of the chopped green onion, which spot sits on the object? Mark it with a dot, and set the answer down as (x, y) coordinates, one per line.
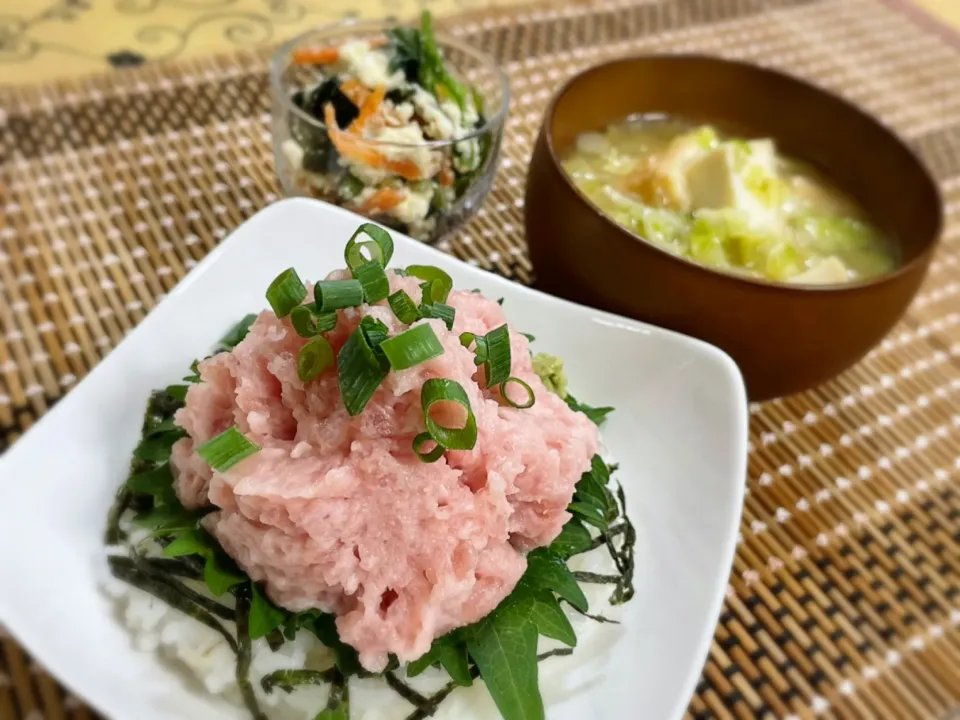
(416, 345)
(381, 249)
(531, 398)
(360, 371)
(439, 311)
(286, 292)
(227, 449)
(437, 390)
(497, 360)
(374, 281)
(374, 330)
(438, 284)
(529, 337)
(467, 338)
(336, 294)
(314, 357)
(430, 456)
(307, 321)
(403, 307)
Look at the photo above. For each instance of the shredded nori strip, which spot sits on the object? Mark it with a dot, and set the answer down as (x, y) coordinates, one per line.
(178, 567)
(339, 698)
(289, 680)
(275, 639)
(625, 557)
(596, 578)
(596, 618)
(559, 652)
(405, 691)
(601, 539)
(169, 595)
(244, 652)
(433, 702)
(162, 576)
(114, 534)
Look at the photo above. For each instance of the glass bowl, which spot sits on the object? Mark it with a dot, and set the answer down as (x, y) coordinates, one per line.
(419, 186)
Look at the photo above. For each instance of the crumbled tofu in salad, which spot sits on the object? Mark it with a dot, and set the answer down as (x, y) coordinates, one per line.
(390, 107)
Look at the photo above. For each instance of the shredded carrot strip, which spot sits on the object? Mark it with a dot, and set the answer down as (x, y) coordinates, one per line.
(370, 108)
(354, 90)
(445, 176)
(382, 200)
(327, 55)
(354, 148)
(316, 56)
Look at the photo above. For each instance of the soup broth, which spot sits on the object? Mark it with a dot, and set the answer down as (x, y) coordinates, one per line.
(730, 203)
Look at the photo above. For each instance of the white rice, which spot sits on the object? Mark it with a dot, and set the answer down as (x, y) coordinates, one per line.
(200, 654)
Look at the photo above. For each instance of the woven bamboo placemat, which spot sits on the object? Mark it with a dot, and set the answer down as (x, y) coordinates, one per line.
(844, 599)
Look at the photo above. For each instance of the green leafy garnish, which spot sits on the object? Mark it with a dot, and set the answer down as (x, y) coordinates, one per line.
(597, 415)
(220, 573)
(265, 617)
(237, 333)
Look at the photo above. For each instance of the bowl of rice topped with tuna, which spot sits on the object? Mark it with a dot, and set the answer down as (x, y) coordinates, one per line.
(366, 500)
(395, 123)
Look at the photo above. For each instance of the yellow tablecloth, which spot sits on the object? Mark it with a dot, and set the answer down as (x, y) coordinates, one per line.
(45, 39)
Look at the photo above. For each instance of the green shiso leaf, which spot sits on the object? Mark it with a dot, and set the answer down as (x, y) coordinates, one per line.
(548, 616)
(573, 539)
(169, 519)
(325, 628)
(156, 448)
(547, 571)
(597, 415)
(153, 482)
(237, 333)
(220, 573)
(589, 513)
(189, 542)
(178, 392)
(504, 647)
(451, 653)
(265, 617)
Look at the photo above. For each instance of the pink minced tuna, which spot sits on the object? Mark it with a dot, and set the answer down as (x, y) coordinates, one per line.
(337, 513)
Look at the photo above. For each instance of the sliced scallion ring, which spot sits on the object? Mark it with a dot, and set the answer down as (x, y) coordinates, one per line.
(403, 307)
(286, 292)
(430, 456)
(314, 357)
(381, 249)
(436, 390)
(308, 322)
(374, 281)
(336, 294)
(497, 361)
(439, 311)
(438, 283)
(412, 347)
(227, 449)
(531, 398)
(360, 371)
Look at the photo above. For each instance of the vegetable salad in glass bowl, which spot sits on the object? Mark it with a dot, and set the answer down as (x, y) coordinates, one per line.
(395, 123)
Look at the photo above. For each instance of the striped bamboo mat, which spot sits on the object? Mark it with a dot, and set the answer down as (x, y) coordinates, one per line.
(845, 595)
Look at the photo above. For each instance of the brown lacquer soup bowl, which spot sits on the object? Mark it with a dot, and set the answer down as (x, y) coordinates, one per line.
(785, 338)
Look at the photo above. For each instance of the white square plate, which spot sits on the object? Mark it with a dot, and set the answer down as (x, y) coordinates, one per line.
(679, 433)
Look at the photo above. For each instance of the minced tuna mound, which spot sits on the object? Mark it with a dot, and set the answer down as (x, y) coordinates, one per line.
(337, 513)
